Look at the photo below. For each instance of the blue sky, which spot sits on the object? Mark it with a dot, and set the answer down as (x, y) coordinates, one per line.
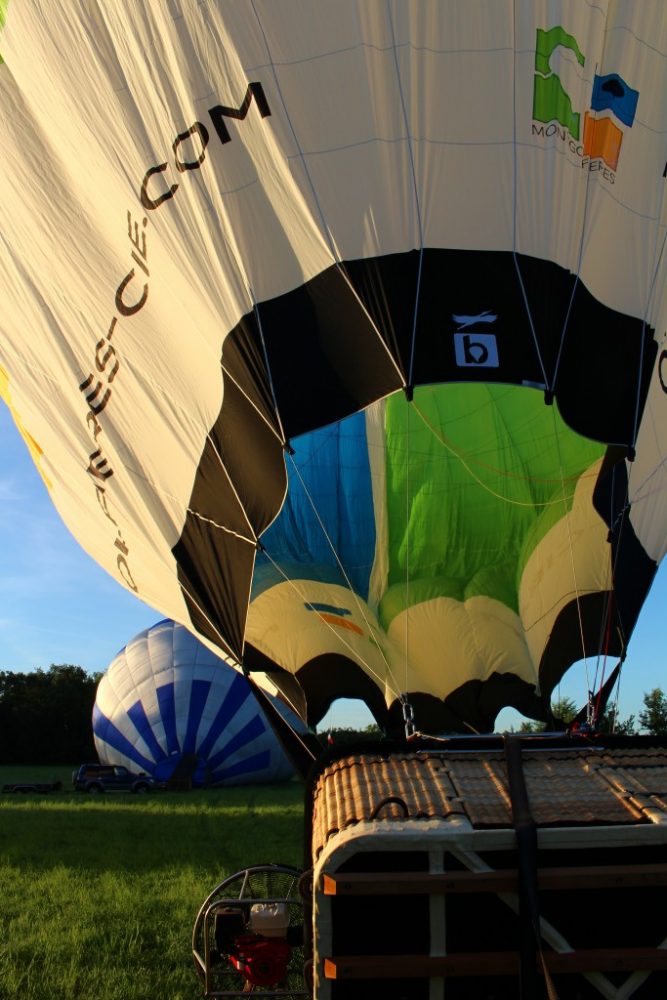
(58, 606)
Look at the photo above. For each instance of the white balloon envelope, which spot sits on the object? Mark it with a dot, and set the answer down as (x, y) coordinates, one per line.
(338, 331)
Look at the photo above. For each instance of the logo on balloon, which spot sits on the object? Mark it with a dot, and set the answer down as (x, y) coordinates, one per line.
(474, 349)
(613, 106)
(333, 615)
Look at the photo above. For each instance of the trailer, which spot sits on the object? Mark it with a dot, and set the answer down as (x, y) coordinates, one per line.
(40, 787)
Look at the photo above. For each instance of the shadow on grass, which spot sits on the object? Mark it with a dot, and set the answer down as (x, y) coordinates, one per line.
(223, 829)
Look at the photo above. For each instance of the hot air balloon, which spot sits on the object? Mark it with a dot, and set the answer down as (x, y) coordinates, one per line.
(169, 706)
(340, 340)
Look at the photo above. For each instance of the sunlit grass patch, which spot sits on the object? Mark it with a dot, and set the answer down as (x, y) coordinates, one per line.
(99, 896)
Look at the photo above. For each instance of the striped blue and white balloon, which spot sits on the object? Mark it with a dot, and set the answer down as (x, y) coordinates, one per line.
(167, 703)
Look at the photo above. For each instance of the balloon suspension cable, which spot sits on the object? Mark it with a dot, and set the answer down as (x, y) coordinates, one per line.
(640, 366)
(267, 365)
(408, 717)
(572, 560)
(618, 520)
(406, 639)
(381, 681)
(617, 528)
(325, 227)
(417, 203)
(302, 750)
(515, 210)
(466, 462)
(650, 485)
(593, 705)
(616, 703)
(411, 731)
(355, 596)
(591, 712)
(223, 645)
(617, 524)
(577, 278)
(599, 681)
(277, 432)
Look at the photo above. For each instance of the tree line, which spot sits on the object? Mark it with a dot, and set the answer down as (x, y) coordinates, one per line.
(652, 719)
(46, 715)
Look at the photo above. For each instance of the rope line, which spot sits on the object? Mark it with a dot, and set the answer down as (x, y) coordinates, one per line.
(515, 201)
(572, 563)
(324, 230)
(382, 681)
(332, 547)
(407, 545)
(519, 503)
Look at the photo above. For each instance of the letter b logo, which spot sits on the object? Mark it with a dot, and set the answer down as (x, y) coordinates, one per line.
(477, 350)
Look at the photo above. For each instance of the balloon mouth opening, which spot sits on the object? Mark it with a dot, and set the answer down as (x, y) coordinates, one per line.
(182, 766)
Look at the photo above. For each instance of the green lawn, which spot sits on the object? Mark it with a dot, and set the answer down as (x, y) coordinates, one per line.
(98, 897)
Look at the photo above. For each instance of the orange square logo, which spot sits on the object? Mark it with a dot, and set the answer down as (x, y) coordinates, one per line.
(602, 140)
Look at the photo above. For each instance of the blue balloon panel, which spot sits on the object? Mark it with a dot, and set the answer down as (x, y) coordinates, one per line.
(167, 705)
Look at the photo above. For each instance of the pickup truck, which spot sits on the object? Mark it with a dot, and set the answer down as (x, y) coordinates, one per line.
(96, 778)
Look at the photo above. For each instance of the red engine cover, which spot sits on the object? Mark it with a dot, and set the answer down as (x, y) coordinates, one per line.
(262, 961)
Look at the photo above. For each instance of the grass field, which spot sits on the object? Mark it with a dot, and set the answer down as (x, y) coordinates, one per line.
(98, 897)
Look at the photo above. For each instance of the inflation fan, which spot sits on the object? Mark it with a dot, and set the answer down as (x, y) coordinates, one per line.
(249, 935)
